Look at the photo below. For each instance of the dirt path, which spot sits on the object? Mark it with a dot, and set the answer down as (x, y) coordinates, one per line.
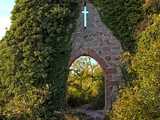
(91, 113)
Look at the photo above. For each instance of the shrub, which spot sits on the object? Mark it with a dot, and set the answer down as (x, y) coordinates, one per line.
(142, 100)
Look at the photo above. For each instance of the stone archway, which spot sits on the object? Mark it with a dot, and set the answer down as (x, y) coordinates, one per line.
(98, 42)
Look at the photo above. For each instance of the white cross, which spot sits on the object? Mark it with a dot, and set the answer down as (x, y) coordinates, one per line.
(85, 12)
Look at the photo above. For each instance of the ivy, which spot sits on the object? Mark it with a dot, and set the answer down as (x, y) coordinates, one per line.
(34, 58)
(122, 16)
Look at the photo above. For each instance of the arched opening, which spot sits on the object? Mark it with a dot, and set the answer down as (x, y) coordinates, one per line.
(86, 84)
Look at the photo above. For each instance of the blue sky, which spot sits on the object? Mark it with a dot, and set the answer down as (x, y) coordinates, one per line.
(6, 7)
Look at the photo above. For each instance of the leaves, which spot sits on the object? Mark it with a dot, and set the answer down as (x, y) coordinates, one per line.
(121, 16)
(85, 82)
(141, 101)
(31, 58)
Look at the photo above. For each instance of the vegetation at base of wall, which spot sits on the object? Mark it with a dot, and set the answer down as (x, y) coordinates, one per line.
(34, 58)
(142, 100)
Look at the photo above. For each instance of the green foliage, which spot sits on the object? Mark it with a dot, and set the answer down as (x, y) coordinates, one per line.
(86, 83)
(122, 16)
(142, 100)
(34, 57)
(146, 61)
(125, 19)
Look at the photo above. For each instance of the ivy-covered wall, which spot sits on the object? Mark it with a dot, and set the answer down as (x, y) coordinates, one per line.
(122, 16)
(137, 24)
(127, 18)
(34, 58)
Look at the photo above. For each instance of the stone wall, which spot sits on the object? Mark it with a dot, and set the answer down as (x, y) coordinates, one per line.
(98, 42)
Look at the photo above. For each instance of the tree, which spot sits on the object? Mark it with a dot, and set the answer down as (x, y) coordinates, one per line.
(85, 82)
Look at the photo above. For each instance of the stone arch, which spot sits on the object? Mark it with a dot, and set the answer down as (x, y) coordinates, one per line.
(87, 52)
(107, 71)
(98, 42)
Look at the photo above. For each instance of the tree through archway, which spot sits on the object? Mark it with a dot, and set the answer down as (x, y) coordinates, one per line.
(85, 86)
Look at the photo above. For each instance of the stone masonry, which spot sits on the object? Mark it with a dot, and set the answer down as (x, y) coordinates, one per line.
(98, 42)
